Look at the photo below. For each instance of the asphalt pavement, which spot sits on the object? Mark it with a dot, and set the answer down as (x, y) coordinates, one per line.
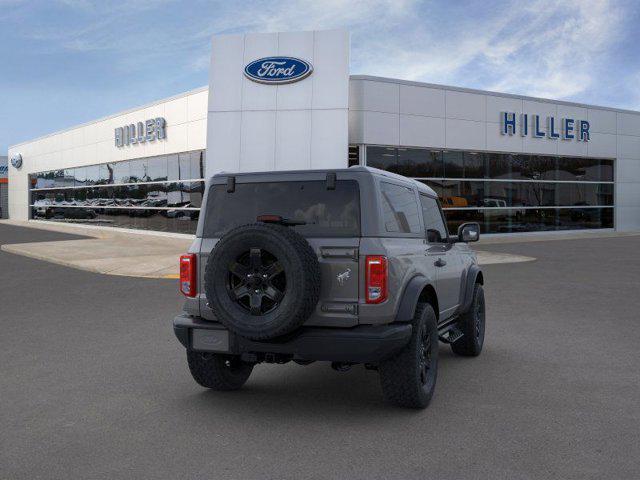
(94, 385)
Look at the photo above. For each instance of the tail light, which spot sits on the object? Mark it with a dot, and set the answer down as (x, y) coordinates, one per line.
(376, 279)
(188, 274)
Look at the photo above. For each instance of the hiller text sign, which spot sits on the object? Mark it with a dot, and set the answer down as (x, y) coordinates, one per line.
(525, 124)
(147, 131)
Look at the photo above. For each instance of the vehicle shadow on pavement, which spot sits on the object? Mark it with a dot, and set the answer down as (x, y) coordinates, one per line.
(316, 391)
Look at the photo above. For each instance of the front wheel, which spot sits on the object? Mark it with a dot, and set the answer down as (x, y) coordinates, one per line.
(472, 324)
(218, 372)
(409, 378)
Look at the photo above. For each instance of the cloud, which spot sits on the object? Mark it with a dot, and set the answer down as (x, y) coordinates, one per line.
(540, 48)
(561, 45)
(545, 49)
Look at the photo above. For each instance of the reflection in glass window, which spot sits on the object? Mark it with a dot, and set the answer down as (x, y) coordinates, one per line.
(58, 178)
(534, 167)
(498, 165)
(475, 165)
(184, 166)
(463, 194)
(399, 208)
(453, 164)
(85, 197)
(178, 195)
(196, 192)
(433, 222)
(106, 174)
(197, 165)
(69, 178)
(173, 167)
(119, 172)
(606, 170)
(45, 180)
(419, 162)
(384, 158)
(504, 205)
(80, 176)
(138, 171)
(157, 171)
(92, 175)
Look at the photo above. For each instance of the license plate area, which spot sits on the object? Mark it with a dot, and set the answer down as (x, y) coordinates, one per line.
(210, 340)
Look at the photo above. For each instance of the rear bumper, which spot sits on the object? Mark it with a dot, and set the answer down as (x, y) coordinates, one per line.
(360, 344)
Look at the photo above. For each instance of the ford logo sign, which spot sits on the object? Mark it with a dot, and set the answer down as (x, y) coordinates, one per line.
(16, 160)
(277, 70)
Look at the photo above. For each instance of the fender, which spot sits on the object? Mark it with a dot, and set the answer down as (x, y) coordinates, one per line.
(470, 280)
(410, 298)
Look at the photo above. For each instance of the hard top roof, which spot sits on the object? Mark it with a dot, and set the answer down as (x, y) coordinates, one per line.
(358, 168)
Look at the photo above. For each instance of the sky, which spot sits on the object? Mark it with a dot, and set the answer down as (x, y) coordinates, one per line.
(66, 62)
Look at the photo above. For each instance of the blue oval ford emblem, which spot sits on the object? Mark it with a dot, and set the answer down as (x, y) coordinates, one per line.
(277, 70)
(16, 160)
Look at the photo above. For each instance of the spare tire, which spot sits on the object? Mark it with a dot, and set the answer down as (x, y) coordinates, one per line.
(262, 280)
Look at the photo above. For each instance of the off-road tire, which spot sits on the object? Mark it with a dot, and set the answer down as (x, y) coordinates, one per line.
(472, 324)
(301, 269)
(401, 375)
(217, 371)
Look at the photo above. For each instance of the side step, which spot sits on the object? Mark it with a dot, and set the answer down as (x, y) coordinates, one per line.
(451, 334)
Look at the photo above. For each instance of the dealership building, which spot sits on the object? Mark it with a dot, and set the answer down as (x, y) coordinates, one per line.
(286, 101)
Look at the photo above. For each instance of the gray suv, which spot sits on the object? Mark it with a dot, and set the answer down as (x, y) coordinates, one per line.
(349, 266)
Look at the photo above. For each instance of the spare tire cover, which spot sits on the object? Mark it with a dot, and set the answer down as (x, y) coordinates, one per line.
(262, 280)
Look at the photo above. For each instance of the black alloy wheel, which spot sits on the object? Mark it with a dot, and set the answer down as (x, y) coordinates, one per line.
(425, 356)
(408, 379)
(262, 281)
(257, 281)
(478, 316)
(472, 324)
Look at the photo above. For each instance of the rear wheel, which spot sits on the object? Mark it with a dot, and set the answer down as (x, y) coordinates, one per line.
(472, 324)
(409, 378)
(218, 372)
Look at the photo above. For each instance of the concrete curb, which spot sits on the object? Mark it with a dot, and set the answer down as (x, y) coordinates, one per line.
(493, 258)
(162, 272)
(111, 251)
(96, 231)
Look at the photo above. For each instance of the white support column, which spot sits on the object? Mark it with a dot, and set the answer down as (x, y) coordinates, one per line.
(255, 126)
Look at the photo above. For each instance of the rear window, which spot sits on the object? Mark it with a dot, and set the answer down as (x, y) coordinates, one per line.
(327, 213)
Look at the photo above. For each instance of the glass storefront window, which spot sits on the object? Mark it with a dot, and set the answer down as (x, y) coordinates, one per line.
(138, 171)
(533, 167)
(499, 165)
(453, 164)
(475, 165)
(606, 170)
(384, 158)
(120, 172)
(173, 167)
(416, 162)
(551, 192)
(132, 193)
(158, 171)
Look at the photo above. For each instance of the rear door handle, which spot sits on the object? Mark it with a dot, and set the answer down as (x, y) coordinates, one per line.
(440, 263)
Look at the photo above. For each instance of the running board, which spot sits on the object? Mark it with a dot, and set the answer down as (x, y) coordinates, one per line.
(450, 334)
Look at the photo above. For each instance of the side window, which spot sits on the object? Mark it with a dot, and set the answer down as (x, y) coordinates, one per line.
(399, 208)
(433, 221)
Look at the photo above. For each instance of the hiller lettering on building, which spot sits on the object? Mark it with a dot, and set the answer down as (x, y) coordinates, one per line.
(147, 131)
(525, 124)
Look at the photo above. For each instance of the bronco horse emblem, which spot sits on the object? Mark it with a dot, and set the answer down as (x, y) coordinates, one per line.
(344, 276)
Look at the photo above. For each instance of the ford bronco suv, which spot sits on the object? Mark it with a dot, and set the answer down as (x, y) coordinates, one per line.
(350, 266)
